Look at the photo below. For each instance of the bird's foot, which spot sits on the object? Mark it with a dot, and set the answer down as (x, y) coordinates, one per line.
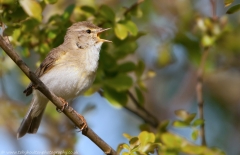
(65, 104)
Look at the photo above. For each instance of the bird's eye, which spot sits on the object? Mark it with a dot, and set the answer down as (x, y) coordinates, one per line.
(88, 31)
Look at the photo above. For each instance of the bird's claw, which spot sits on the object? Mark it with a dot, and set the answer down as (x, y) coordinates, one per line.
(65, 104)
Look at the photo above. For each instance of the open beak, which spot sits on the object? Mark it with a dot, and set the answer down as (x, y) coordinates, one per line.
(103, 40)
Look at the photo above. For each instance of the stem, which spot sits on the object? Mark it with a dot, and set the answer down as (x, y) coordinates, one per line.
(199, 93)
(149, 117)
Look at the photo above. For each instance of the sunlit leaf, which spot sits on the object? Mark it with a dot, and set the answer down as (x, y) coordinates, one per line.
(233, 9)
(194, 134)
(132, 28)
(121, 31)
(228, 2)
(180, 124)
(172, 141)
(146, 137)
(127, 136)
(32, 8)
(198, 122)
(183, 114)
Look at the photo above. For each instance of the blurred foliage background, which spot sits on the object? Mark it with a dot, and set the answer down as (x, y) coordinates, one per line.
(147, 77)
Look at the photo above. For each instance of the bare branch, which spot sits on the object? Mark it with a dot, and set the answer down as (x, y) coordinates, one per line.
(133, 6)
(149, 117)
(68, 111)
(199, 93)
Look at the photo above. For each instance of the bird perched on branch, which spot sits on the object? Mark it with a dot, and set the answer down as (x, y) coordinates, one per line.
(68, 71)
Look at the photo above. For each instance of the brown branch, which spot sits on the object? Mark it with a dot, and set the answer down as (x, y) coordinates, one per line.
(199, 93)
(214, 10)
(133, 6)
(149, 117)
(68, 111)
(141, 113)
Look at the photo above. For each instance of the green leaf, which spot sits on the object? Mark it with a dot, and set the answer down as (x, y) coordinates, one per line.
(125, 49)
(88, 9)
(198, 122)
(163, 126)
(107, 13)
(134, 142)
(180, 124)
(32, 8)
(195, 134)
(207, 40)
(127, 136)
(8, 31)
(126, 67)
(121, 82)
(191, 149)
(146, 137)
(233, 9)
(182, 114)
(50, 1)
(190, 117)
(150, 148)
(228, 2)
(140, 68)
(121, 31)
(132, 28)
(68, 11)
(125, 153)
(172, 140)
(117, 99)
(139, 96)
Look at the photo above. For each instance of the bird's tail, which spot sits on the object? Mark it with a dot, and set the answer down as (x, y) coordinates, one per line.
(33, 118)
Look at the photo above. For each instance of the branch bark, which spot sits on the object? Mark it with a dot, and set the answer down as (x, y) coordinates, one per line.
(68, 111)
(199, 93)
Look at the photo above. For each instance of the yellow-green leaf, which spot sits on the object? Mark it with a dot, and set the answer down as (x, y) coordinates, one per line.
(180, 124)
(132, 28)
(194, 134)
(228, 2)
(32, 8)
(146, 137)
(121, 31)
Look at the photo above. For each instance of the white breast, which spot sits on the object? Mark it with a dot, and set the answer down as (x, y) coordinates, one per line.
(69, 80)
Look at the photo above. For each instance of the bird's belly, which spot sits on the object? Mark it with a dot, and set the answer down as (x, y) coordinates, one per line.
(68, 82)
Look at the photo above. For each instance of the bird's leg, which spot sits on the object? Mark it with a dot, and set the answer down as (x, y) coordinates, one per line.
(65, 104)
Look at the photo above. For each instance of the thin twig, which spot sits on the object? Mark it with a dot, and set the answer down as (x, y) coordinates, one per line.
(141, 112)
(199, 93)
(68, 111)
(133, 6)
(149, 117)
(214, 11)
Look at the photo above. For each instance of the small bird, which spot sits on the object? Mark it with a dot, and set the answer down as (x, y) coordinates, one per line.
(68, 71)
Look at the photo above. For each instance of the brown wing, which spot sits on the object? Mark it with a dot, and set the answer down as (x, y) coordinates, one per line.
(45, 66)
